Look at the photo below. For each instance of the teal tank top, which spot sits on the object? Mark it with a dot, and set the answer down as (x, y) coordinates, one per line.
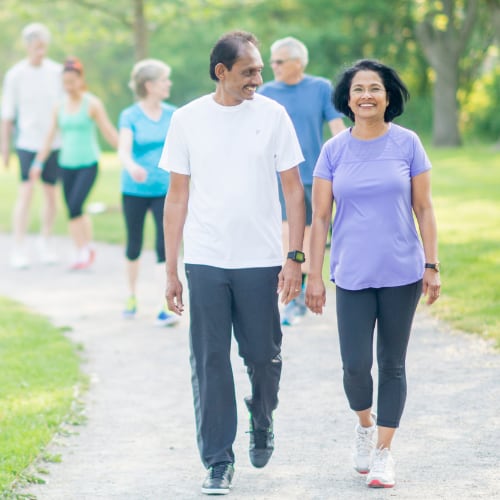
(80, 147)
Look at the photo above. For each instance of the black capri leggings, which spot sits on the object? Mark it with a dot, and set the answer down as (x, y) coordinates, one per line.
(134, 210)
(77, 183)
(393, 309)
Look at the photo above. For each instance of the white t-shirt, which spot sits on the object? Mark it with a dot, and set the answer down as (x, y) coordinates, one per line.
(29, 96)
(232, 154)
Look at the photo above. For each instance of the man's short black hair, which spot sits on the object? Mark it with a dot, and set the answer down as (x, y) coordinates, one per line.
(228, 48)
(397, 93)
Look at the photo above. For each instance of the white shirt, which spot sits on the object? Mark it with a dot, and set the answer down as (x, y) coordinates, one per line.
(232, 154)
(29, 96)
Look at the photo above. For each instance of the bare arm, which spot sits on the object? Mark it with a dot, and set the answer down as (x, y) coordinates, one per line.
(125, 140)
(336, 126)
(424, 212)
(290, 277)
(6, 135)
(174, 217)
(322, 204)
(99, 115)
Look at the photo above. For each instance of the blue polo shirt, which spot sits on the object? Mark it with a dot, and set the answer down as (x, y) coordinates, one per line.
(309, 104)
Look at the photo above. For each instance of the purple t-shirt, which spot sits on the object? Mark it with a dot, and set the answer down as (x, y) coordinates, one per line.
(374, 239)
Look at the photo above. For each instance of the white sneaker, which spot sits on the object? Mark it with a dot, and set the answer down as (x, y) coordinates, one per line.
(19, 260)
(45, 253)
(364, 445)
(381, 473)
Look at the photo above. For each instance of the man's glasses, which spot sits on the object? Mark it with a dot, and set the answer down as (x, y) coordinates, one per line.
(279, 62)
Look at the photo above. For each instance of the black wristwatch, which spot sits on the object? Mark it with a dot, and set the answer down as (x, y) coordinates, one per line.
(297, 256)
(432, 266)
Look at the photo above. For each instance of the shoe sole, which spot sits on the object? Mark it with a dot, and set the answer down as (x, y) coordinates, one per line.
(166, 323)
(216, 491)
(376, 483)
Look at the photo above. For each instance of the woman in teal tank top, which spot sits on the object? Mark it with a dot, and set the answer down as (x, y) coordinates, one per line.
(76, 118)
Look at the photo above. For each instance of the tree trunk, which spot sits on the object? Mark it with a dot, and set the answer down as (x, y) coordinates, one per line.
(445, 110)
(140, 31)
(443, 48)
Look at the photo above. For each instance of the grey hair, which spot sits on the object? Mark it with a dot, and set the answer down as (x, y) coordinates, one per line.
(35, 32)
(296, 49)
(147, 70)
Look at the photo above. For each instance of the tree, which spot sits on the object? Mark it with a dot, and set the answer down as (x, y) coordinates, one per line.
(443, 32)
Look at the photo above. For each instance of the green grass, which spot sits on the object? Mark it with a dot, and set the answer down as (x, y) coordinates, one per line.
(466, 193)
(38, 377)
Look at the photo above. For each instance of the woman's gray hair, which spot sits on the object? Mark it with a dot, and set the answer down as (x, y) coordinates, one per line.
(147, 70)
(35, 32)
(296, 49)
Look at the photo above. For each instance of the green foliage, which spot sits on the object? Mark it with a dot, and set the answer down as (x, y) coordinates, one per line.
(40, 370)
(480, 108)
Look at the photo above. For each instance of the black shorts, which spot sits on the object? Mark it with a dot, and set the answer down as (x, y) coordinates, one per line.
(50, 171)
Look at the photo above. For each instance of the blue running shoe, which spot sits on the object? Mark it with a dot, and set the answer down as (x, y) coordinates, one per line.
(166, 318)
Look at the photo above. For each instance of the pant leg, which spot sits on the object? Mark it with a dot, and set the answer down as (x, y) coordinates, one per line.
(257, 330)
(211, 371)
(157, 204)
(77, 186)
(356, 315)
(134, 212)
(396, 306)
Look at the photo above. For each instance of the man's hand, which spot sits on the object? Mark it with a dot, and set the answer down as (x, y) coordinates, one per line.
(289, 281)
(174, 295)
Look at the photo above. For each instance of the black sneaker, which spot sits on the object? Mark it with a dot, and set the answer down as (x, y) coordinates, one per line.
(218, 480)
(261, 442)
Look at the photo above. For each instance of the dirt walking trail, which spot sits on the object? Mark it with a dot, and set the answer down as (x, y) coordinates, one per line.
(139, 439)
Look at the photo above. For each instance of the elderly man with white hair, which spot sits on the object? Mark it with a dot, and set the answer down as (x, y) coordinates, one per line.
(30, 91)
(308, 101)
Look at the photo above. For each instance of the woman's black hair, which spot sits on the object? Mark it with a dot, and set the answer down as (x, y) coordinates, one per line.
(228, 48)
(397, 93)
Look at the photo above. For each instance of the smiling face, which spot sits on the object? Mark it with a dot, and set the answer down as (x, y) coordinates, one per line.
(73, 83)
(36, 50)
(240, 82)
(286, 69)
(367, 96)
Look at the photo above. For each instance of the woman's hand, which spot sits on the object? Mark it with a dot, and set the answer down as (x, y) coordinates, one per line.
(315, 294)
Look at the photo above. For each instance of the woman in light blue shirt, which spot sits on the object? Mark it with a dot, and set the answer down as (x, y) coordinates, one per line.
(142, 131)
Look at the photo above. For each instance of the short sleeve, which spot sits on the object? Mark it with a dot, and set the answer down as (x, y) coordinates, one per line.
(125, 120)
(9, 97)
(175, 154)
(324, 165)
(288, 153)
(420, 161)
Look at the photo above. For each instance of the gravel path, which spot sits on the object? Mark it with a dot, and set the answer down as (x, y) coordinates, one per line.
(139, 440)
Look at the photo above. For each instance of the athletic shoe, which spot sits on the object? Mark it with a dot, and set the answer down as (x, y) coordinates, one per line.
(381, 473)
(165, 318)
(300, 304)
(85, 259)
(364, 445)
(130, 308)
(19, 260)
(261, 444)
(45, 253)
(218, 480)
(288, 315)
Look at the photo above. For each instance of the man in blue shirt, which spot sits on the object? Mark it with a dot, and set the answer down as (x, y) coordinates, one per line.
(308, 101)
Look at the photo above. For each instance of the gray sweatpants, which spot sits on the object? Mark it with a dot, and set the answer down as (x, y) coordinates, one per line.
(222, 301)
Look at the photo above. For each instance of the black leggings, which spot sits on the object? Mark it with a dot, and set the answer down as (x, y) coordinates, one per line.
(135, 209)
(392, 308)
(77, 183)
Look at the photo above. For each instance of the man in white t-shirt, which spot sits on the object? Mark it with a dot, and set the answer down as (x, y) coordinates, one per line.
(30, 91)
(223, 151)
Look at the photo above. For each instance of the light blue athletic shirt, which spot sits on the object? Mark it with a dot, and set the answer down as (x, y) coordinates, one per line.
(309, 104)
(374, 239)
(147, 146)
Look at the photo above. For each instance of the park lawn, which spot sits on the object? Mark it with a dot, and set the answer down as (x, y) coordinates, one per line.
(466, 183)
(38, 378)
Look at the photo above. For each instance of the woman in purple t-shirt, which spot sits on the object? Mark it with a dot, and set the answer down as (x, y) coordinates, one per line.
(378, 174)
